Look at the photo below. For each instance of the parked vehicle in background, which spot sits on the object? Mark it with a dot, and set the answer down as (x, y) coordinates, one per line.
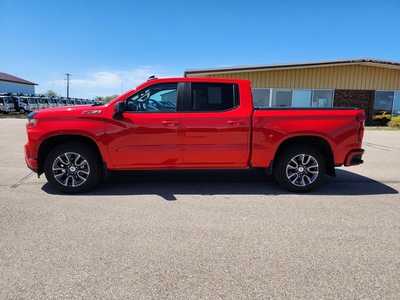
(24, 105)
(52, 101)
(34, 103)
(192, 123)
(43, 103)
(7, 104)
(2, 104)
(64, 102)
(28, 104)
(381, 117)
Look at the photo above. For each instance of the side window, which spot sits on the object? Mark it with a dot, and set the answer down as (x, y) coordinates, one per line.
(214, 96)
(156, 98)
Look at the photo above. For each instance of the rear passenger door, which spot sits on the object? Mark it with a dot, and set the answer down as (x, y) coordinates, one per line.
(215, 130)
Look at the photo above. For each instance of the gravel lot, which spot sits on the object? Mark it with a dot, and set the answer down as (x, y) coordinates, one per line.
(194, 235)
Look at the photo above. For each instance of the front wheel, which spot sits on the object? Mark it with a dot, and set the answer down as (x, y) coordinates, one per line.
(72, 168)
(300, 169)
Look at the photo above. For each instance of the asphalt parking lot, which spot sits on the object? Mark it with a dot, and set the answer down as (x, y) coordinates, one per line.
(201, 234)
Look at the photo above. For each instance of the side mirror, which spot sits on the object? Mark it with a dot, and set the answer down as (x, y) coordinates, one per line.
(118, 110)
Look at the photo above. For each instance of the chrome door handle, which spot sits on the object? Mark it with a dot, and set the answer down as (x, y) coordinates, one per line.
(230, 122)
(169, 123)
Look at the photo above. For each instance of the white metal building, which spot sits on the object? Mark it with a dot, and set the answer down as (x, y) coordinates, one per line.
(12, 84)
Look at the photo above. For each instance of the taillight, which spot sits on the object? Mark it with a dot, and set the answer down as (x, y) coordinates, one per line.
(360, 118)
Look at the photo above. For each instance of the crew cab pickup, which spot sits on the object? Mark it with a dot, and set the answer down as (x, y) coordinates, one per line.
(191, 123)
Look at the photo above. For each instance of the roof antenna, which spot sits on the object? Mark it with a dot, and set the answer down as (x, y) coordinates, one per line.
(152, 77)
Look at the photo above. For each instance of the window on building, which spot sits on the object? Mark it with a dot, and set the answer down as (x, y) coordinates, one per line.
(265, 97)
(281, 98)
(301, 98)
(322, 98)
(261, 98)
(383, 106)
(214, 96)
(396, 104)
(383, 100)
(156, 98)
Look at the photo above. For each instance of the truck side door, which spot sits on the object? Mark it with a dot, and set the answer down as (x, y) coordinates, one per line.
(147, 136)
(215, 126)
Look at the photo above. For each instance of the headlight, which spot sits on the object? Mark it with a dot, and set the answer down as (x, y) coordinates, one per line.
(31, 119)
(32, 122)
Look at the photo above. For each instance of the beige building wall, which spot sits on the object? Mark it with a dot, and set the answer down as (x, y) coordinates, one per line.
(352, 77)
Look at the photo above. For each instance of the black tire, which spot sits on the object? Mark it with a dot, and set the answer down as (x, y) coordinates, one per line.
(68, 152)
(285, 169)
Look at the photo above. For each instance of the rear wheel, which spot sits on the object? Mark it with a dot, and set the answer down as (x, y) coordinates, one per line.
(300, 169)
(72, 168)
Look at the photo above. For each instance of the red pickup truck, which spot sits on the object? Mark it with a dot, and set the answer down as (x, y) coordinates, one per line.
(191, 123)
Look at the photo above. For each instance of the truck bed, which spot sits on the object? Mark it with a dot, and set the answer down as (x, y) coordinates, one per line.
(342, 128)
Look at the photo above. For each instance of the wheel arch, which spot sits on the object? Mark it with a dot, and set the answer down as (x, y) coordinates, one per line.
(49, 143)
(320, 143)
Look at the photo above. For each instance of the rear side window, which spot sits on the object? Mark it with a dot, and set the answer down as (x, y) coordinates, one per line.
(214, 96)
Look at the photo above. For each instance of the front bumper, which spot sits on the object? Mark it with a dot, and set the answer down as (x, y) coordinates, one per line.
(29, 160)
(354, 157)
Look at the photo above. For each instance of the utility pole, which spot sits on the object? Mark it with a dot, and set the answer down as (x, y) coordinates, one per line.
(68, 75)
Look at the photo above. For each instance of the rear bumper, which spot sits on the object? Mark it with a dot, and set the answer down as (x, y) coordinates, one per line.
(354, 157)
(30, 162)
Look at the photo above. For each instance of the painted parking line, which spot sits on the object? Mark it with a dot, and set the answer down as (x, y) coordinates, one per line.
(21, 181)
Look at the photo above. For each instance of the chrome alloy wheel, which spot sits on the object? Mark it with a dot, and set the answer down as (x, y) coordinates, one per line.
(302, 170)
(71, 169)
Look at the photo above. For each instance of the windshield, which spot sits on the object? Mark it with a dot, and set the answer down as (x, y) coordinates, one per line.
(8, 100)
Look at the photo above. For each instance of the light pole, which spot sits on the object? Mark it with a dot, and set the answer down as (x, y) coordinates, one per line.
(68, 75)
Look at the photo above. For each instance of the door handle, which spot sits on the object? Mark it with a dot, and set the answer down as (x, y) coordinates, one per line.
(231, 122)
(169, 123)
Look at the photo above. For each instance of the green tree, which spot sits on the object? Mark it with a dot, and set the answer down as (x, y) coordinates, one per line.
(51, 93)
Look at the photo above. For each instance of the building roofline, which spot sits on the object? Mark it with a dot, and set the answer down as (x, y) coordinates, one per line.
(366, 61)
(11, 78)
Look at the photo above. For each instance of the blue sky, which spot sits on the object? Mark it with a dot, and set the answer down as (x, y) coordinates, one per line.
(110, 46)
